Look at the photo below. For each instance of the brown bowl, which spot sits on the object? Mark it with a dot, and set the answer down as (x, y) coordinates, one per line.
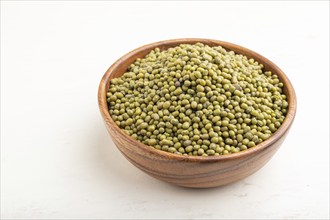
(194, 171)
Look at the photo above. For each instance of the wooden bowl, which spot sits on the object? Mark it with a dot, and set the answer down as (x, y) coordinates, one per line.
(194, 171)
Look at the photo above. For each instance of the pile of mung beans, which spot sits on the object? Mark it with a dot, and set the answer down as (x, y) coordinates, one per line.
(197, 100)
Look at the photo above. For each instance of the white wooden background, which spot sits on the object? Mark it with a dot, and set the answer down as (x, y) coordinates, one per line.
(57, 160)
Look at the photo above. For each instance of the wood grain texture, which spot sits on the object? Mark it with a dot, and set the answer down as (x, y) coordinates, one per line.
(194, 171)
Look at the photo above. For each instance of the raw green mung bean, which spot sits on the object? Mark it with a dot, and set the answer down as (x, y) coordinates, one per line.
(197, 100)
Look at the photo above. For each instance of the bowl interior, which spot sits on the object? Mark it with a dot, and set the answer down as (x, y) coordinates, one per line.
(121, 65)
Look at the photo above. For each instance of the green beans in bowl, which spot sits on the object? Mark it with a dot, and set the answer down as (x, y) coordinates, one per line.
(196, 112)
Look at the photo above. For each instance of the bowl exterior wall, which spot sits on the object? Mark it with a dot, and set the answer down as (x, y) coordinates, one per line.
(194, 174)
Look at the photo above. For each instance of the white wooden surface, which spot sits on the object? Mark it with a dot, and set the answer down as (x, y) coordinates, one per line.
(57, 160)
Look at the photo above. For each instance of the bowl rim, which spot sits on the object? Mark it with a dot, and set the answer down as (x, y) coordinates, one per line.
(292, 102)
